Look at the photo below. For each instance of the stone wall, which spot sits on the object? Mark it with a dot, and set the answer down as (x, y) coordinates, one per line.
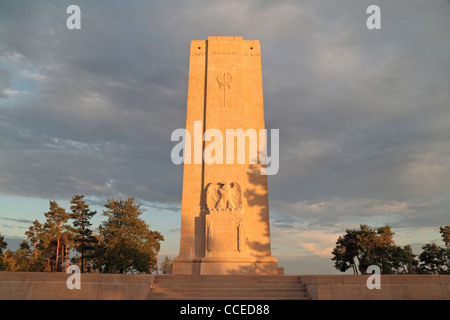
(51, 286)
(393, 287)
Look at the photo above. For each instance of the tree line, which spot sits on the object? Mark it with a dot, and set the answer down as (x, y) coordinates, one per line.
(359, 248)
(123, 243)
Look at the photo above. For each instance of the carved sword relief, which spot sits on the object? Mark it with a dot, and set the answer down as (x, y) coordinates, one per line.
(224, 79)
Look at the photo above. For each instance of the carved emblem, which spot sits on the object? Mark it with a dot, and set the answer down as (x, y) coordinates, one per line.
(224, 196)
(224, 79)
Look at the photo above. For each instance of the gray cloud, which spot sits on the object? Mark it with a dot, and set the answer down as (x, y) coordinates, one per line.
(363, 115)
(17, 220)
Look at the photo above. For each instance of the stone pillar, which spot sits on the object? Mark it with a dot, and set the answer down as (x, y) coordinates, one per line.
(225, 210)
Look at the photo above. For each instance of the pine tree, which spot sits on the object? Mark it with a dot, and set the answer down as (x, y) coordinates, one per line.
(3, 245)
(22, 257)
(127, 243)
(34, 234)
(83, 238)
(55, 225)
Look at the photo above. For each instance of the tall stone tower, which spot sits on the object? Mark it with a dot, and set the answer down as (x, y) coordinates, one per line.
(225, 210)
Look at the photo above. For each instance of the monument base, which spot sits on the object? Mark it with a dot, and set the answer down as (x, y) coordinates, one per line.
(225, 266)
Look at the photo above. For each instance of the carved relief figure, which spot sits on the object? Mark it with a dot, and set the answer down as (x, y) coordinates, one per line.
(224, 196)
(224, 79)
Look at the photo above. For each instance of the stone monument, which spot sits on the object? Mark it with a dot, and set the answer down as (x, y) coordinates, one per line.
(225, 210)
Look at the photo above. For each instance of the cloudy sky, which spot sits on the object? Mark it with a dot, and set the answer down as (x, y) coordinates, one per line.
(364, 115)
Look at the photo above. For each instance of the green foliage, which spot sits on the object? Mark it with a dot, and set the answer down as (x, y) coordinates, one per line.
(84, 241)
(358, 249)
(3, 245)
(166, 265)
(40, 240)
(445, 232)
(56, 230)
(435, 259)
(19, 260)
(126, 242)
